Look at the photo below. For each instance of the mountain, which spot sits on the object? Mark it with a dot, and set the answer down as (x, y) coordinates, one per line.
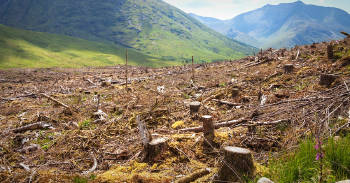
(152, 27)
(285, 25)
(28, 49)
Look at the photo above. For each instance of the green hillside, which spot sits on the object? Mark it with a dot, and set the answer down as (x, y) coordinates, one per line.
(152, 27)
(20, 48)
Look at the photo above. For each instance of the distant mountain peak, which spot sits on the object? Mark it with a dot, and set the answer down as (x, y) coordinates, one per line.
(285, 25)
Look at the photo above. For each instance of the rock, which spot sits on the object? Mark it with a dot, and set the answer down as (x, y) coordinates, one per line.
(344, 181)
(264, 180)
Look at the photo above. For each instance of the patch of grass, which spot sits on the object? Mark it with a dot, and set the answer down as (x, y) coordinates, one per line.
(28, 49)
(80, 180)
(45, 140)
(301, 165)
(338, 156)
(85, 124)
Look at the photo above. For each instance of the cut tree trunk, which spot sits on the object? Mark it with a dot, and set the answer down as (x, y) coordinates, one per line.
(288, 68)
(155, 149)
(330, 53)
(237, 163)
(208, 130)
(194, 107)
(234, 92)
(327, 79)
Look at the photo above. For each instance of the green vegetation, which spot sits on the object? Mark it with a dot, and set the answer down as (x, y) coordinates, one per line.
(86, 125)
(301, 166)
(151, 27)
(27, 49)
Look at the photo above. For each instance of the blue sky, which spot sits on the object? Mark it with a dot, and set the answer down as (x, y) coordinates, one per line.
(226, 9)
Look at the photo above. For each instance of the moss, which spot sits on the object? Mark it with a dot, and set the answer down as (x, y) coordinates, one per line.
(178, 124)
(133, 172)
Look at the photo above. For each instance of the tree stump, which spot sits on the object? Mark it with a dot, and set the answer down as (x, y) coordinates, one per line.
(234, 92)
(194, 107)
(208, 130)
(154, 149)
(327, 79)
(288, 68)
(237, 163)
(330, 53)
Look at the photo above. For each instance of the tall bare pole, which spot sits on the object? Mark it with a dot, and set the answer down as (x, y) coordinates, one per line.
(126, 69)
(192, 69)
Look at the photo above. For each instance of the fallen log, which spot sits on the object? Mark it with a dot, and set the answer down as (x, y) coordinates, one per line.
(237, 123)
(34, 126)
(265, 123)
(216, 125)
(194, 176)
(56, 101)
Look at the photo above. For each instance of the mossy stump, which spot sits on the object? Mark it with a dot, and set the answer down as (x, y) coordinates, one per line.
(237, 163)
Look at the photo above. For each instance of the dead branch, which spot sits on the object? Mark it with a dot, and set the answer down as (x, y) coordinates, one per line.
(194, 176)
(144, 134)
(56, 101)
(34, 126)
(89, 81)
(265, 123)
(94, 166)
(340, 128)
(227, 103)
(25, 167)
(216, 125)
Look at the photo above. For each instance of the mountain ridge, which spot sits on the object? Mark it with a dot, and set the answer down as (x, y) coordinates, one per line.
(152, 27)
(286, 25)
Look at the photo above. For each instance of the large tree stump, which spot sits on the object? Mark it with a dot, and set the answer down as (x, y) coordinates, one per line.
(237, 163)
(327, 79)
(208, 130)
(155, 149)
(288, 68)
(194, 107)
(330, 53)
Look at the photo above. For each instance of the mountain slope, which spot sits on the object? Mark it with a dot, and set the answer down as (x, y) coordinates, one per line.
(150, 26)
(20, 48)
(287, 25)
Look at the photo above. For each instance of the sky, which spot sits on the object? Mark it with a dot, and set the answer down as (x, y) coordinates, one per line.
(227, 9)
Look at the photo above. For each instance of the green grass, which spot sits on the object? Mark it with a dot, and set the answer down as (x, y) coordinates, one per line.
(301, 166)
(27, 49)
(151, 27)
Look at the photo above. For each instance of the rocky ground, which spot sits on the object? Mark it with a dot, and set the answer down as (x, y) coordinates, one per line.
(64, 125)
